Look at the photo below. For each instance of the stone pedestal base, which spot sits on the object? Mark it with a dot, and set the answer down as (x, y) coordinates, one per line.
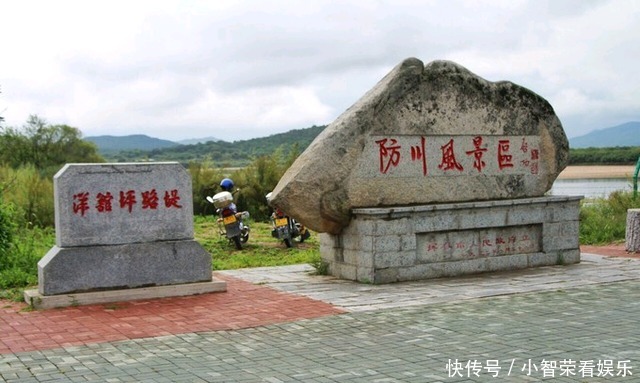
(39, 301)
(81, 269)
(383, 245)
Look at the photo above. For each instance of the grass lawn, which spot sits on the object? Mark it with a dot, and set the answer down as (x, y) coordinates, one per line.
(261, 249)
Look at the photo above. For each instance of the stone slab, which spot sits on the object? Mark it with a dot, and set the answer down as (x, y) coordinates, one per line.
(39, 301)
(90, 268)
(110, 204)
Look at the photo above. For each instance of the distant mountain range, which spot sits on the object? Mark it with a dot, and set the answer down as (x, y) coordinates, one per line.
(627, 134)
(113, 144)
(239, 153)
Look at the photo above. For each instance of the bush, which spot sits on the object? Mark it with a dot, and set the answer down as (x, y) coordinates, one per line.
(604, 221)
(254, 182)
(7, 228)
(19, 265)
(204, 179)
(30, 194)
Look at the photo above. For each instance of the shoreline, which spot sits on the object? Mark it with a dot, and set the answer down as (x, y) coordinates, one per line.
(598, 171)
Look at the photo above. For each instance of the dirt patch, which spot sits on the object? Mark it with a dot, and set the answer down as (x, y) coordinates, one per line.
(612, 250)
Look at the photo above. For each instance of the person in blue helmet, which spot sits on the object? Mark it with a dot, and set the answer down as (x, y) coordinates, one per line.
(227, 185)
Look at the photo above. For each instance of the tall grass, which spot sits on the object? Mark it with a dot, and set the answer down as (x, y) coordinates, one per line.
(30, 193)
(20, 250)
(603, 221)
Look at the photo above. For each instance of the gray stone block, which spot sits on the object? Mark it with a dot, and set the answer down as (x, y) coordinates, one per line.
(395, 259)
(560, 212)
(425, 223)
(362, 227)
(470, 266)
(483, 218)
(421, 271)
(508, 262)
(568, 257)
(365, 274)
(344, 271)
(111, 204)
(408, 242)
(561, 235)
(386, 243)
(388, 275)
(94, 268)
(394, 227)
(535, 213)
(544, 259)
(357, 258)
(359, 242)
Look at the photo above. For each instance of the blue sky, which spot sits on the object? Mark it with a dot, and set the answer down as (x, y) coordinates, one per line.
(243, 69)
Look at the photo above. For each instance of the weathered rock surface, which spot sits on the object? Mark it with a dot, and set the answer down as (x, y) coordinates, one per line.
(426, 134)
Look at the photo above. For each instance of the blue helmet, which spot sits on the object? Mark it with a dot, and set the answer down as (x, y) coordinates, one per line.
(227, 184)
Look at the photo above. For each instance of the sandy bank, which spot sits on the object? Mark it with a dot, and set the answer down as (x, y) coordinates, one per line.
(614, 171)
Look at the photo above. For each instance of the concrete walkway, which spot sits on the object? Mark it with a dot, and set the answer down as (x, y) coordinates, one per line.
(575, 323)
(350, 296)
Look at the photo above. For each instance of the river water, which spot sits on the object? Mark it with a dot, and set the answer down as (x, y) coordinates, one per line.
(590, 187)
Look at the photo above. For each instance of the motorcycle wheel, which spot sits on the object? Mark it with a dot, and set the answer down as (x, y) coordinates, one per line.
(287, 242)
(236, 241)
(305, 235)
(244, 236)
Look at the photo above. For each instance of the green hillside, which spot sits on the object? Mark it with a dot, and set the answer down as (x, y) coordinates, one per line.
(110, 145)
(222, 153)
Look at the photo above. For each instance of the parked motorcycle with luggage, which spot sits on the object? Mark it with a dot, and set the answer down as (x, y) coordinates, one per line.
(285, 228)
(229, 218)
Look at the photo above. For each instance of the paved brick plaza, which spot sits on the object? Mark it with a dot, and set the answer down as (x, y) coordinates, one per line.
(575, 323)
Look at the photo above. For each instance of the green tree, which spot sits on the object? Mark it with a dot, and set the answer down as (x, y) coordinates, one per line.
(47, 147)
(261, 177)
(204, 179)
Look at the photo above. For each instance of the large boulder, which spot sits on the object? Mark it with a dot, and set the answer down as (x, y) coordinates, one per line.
(423, 135)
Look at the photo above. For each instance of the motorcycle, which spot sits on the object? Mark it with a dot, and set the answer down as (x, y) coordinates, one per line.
(230, 219)
(286, 228)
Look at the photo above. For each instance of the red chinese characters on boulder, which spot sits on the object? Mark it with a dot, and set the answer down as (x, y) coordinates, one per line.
(127, 200)
(449, 161)
(389, 154)
(484, 154)
(419, 153)
(477, 152)
(532, 161)
(504, 159)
